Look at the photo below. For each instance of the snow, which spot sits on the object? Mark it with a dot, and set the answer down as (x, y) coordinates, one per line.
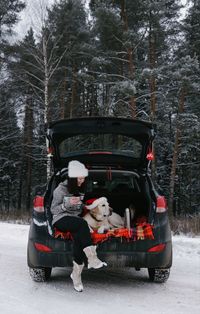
(105, 291)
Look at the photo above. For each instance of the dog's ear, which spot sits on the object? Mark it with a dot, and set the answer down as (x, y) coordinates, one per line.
(94, 211)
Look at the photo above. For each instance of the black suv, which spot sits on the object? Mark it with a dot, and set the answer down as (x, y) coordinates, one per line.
(117, 153)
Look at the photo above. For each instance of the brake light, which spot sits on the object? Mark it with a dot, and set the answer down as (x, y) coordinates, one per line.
(161, 204)
(42, 248)
(157, 248)
(38, 204)
(150, 156)
(50, 151)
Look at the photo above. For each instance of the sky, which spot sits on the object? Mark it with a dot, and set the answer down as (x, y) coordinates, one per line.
(32, 15)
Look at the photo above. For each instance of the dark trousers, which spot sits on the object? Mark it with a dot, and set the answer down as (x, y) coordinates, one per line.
(80, 232)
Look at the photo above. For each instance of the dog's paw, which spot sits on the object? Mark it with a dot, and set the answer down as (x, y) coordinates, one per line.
(91, 230)
(101, 229)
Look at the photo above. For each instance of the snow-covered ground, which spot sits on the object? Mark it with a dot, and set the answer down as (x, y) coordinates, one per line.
(118, 291)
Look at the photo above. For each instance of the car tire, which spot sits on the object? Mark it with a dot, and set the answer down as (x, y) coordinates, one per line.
(40, 274)
(159, 275)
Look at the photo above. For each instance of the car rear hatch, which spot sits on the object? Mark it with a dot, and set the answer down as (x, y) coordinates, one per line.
(101, 142)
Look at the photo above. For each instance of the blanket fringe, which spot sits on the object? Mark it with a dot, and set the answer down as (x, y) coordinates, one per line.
(141, 231)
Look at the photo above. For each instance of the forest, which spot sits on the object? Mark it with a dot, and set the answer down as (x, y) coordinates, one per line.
(135, 59)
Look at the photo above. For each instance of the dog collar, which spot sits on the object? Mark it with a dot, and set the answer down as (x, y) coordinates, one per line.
(94, 217)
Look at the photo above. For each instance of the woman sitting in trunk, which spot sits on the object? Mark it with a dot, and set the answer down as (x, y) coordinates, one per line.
(66, 208)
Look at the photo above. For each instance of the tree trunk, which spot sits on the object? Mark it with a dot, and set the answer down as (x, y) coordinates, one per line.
(131, 66)
(176, 151)
(152, 87)
(24, 199)
(63, 102)
(29, 145)
(152, 80)
(46, 81)
(47, 117)
(19, 201)
(74, 92)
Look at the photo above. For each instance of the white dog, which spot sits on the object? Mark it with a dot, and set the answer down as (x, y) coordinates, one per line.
(116, 221)
(100, 216)
(97, 217)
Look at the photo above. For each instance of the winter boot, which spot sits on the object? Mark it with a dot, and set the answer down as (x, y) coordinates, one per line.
(93, 261)
(76, 276)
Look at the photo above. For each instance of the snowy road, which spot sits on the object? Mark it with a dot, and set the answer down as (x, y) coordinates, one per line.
(121, 291)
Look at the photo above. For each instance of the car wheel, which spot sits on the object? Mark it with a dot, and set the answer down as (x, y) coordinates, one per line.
(158, 274)
(40, 274)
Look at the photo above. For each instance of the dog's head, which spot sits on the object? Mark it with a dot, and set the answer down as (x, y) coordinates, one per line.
(99, 208)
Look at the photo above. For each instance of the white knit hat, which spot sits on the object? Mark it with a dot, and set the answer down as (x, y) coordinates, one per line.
(95, 202)
(76, 169)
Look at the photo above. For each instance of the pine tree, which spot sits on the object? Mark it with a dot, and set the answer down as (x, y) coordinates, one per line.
(107, 63)
(182, 83)
(187, 182)
(25, 78)
(67, 22)
(191, 29)
(10, 146)
(9, 10)
(9, 14)
(160, 21)
(10, 137)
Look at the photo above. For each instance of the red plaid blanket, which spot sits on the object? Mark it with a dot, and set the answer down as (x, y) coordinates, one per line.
(141, 231)
(63, 235)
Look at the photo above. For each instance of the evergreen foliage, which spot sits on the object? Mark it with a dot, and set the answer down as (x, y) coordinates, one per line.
(70, 32)
(126, 58)
(9, 10)
(10, 146)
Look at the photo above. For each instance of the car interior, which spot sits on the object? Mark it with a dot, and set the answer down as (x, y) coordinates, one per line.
(123, 189)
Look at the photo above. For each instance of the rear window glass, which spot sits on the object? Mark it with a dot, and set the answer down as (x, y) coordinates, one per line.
(101, 142)
(118, 183)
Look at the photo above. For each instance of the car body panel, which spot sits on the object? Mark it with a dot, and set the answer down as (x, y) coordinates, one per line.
(141, 131)
(117, 252)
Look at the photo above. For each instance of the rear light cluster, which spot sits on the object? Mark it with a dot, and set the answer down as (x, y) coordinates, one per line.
(157, 248)
(161, 204)
(39, 217)
(38, 204)
(42, 248)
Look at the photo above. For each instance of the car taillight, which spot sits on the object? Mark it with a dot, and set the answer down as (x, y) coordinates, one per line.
(157, 248)
(42, 248)
(38, 204)
(150, 156)
(161, 204)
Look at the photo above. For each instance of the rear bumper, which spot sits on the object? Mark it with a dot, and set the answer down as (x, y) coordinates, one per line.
(116, 252)
(139, 259)
(114, 259)
(36, 259)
